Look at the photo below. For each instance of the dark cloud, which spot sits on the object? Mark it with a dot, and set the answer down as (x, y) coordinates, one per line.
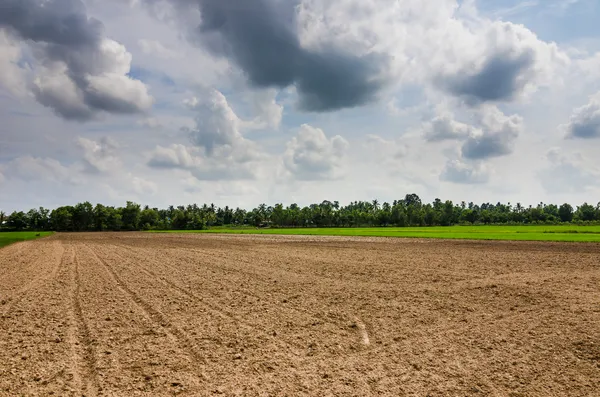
(61, 22)
(499, 79)
(82, 72)
(496, 138)
(486, 146)
(585, 122)
(258, 35)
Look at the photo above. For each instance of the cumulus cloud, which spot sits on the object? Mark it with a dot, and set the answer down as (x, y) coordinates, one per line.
(571, 173)
(260, 37)
(268, 112)
(491, 134)
(99, 156)
(218, 149)
(80, 72)
(201, 166)
(217, 128)
(497, 138)
(310, 155)
(503, 62)
(585, 121)
(443, 127)
(457, 171)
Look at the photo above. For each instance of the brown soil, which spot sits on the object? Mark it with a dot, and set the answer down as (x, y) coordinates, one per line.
(198, 315)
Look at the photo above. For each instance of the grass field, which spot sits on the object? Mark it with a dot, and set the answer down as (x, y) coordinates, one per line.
(527, 233)
(7, 238)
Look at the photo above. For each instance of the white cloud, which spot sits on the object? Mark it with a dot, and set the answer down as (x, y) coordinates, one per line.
(32, 169)
(143, 186)
(218, 149)
(444, 127)
(219, 166)
(310, 155)
(571, 173)
(100, 156)
(457, 171)
(268, 112)
(155, 47)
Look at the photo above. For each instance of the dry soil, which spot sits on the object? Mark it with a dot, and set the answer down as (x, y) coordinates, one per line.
(199, 315)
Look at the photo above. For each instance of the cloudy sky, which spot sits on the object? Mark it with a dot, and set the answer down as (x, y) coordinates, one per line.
(240, 102)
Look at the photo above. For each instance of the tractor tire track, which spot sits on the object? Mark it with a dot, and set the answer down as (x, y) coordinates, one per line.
(83, 353)
(159, 319)
(219, 311)
(36, 282)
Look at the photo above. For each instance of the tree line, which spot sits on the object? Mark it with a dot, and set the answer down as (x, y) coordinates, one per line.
(409, 211)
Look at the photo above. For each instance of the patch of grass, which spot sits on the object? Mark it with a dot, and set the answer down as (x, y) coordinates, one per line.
(524, 233)
(7, 238)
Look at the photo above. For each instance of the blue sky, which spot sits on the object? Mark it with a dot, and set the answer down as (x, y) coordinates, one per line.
(242, 102)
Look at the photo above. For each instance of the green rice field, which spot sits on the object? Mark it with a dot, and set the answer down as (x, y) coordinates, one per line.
(7, 238)
(570, 233)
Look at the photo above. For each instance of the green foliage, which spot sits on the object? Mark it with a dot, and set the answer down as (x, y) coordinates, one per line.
(7, 238)
(525, 233)
(409, 211)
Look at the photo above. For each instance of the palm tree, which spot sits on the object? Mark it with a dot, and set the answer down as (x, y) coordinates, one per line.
(375, 204)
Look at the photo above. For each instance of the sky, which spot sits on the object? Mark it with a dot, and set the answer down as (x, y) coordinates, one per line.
(242, 102)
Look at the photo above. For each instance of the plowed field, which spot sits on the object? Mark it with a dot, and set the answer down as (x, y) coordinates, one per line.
(198, 315)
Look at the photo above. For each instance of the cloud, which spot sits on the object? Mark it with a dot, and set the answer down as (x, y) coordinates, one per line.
(504, 62)
(33, 169)
(585, 121)
(311, 156)
(457, 171)
(143, 186)
(443, 127)
(12, 76)
(217, 148)
(100, 156)
(497, 136)
(217, 128)
(568, 173)
(154, 47)
(201, 167)
(387, 149)
(79, 72)
(259, 37)
(492, 133)
(268, 112)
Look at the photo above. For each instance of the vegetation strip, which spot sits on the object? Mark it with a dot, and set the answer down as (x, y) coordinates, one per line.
(567, 233)
(7, 238)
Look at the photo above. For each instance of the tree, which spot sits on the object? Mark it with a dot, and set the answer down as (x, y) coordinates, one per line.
(61, 219)
(131, 216)
(83, 217)
(17, 221)
(565, 212)
(149, 218)
(2, 218)
(586, 212)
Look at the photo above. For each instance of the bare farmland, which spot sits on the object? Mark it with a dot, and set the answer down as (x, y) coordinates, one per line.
(199, 315)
